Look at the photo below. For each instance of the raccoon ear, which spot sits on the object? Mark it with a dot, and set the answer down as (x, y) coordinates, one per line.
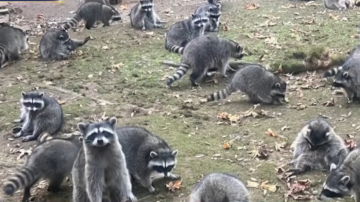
(345, 180)
(153, 154)
(82, 127)
(308, 131)
(332, 167)
(174, 153)
(277, 85)
(346, 74)
(327, 134)
(193, 15)
(23, 93)
(112, 121)
(41, 94)
(238, 48)
(81, 138)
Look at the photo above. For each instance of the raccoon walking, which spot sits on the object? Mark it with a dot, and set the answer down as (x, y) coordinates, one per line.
(92, 12)
(39, 114)
(316, 147)
(13, 42)
(343, 179)
(57, 45)
(101, 164)
(337, 4)
(204, 53)
(220, 187)
(143, 16)
(213, 12)
(260, 85)
(52, 160)
(182, 32)
(145, 154)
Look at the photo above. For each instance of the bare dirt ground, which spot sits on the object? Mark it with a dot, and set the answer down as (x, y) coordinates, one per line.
(122, 65)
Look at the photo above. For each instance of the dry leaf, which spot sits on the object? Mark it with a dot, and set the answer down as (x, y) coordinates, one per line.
(285, 128)
(226, 145)
(280, 146)
(330, 103)
(105, 47)
(251, 6)
(61, 102)
(350, 144)
(188, 101)
(225, 27)
(23, 152)
(252, 184)
(266, 186)
(271, 133)
(172, 186)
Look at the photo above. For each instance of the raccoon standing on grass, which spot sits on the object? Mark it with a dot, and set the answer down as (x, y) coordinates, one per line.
(261, 85)
(204, 53)
(52, 159)
(337, 4)
(213, 12)
(143, 16)
(316, 147)
(220, 187)
(344, 179)
(13, 42)
(182, 32)
(57, 45)
(146, 154)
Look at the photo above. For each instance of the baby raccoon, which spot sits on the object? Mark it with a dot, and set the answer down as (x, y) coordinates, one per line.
(204, 53)
(57, 45)
(92, 12)
(220, 187)
(39, 114)
(182, 32)
(13, 42)
(52, 160)
(213, 12)
(344, 178)
(337, 4)
(101, 165)
(317, 146)
(261, 85)
(143, 16)
(146, 154)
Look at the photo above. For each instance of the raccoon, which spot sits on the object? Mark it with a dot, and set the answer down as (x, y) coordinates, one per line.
(106, 2)
(57, 45)
(316, 147)
(215, 2)
(220, 187)
(337, 4)
(213, 12)
(47, 137)
(52, 160)
(13, 42)
(143, 16)
(92, 12)
(204, 53)
(182, 32)
(261, 85)
(343, 179)
(101, 164)
(145, 154)
(39, 114)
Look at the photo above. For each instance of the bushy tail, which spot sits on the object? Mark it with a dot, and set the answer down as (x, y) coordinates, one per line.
(332, 72)
(174, 48)
(73, 22)
(24, 178)
(180, 72)
(44, 137)
(222, 94)
(2, 55)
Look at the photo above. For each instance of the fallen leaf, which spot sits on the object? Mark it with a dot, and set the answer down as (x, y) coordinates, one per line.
(266, 186)
(105, 47)
(90, 76)
(188, 101)
(225, 27)
(280, 146)
(252, 184)
(172, 186)
(271, 133)
(330, 103)
(350, 144)
(23, 152)
(251, 6)
(226, 145)
(61, 102)
(285, 128)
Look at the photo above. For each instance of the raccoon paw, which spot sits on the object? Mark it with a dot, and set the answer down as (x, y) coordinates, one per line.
(28, 138)
(153, 190)
(19, 134)
(16, 130)
(132, 198)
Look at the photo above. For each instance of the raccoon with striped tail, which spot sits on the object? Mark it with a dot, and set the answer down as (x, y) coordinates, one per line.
(101, 165)
(220, 187)
(261, 86)
(13, 42)
(52, 160)
(204, 53)
(182, 32)
(143, 16)
(92, 12)
(39, 114)
(146, 154)
(214, 14)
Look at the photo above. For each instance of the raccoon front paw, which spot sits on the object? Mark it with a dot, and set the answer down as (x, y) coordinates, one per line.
(28, 138)
(132, 198)
(16, 130)
(18, 134)
(153, 190)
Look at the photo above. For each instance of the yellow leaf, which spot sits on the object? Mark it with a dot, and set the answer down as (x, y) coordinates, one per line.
(252, 184)
(266, 186)
(172, 186)
(226, 145)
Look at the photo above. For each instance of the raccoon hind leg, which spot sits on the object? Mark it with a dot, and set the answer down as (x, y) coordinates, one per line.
(89, 23)
(196, 76)
(55, 183)
(145, 181)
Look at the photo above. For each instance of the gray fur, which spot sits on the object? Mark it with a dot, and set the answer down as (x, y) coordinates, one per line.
(261, 85)
(214, 14)
(220, 187)
(13, 42)
(215, 2)
(204, 53)
(337, 4)
(343, 180)
(144, 149)
(52, 160)
(316, 147)
(57, 45)
(107, 2)
(91, 13)
(101, 165)
(39, 114)
(182, 32)
(143, 16)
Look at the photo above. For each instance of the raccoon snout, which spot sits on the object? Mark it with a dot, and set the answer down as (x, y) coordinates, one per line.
(100, 141)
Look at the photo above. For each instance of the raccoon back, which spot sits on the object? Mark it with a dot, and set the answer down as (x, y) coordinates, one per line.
(181, 33)
(13, 39)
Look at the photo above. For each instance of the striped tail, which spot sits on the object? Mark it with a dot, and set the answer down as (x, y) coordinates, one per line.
(332, 72)
(174, 48)
(25, 177)
(44, 137)
(2, 55)
(73, 22)
(222, 94)
(180, 72)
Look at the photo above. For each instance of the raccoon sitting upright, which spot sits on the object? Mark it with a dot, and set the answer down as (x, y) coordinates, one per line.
(101, 165)
(213, 12)
(316, 147)
(219, 187)
(261, 85)
(143, 16)
(182, 32)
(52, 160)
(13, 42)
(204, 53)
(39, 114)
(343, 180)
(145, 154)
(57, 45)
